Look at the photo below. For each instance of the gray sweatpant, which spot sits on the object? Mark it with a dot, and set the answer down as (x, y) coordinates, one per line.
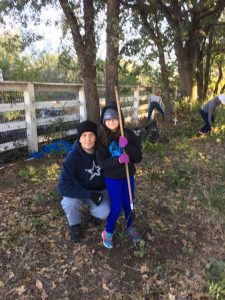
(72, 208)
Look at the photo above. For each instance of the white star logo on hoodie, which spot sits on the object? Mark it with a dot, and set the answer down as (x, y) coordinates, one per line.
(95, 171)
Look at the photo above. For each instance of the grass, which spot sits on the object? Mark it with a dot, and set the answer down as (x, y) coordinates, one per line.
(180, 214)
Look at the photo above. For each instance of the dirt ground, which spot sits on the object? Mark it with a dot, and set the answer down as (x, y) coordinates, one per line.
(182, 236)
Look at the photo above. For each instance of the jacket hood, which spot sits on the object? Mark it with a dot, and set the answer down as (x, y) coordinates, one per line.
(76, 145)
(111, 105)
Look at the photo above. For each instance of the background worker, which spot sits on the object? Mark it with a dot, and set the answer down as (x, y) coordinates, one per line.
(155, 102)
(208, 112)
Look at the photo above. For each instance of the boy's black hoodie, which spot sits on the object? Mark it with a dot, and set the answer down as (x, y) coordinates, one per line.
(80, 174)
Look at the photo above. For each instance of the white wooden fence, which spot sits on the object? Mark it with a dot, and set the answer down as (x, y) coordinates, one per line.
(29, 105)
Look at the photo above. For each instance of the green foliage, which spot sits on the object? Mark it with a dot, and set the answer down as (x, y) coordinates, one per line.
(15, 64)
(215, 275)
(214, 198)
(41, 198)
(57, 212)
(44, 67)
(141, 249)
(186, 250)
(47, 198)
(155, 175)
(158, 269)
(184, 104)
(53, 172)
(12, 115)
(215, 271)
(217, 289)
(32, 173)
(189, 152)
(128, 72)
(218, 132)
(157, 149)
(178, 175)
(37, 223)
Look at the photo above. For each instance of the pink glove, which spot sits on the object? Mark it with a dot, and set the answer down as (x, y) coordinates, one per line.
(124, 158)
(123, 141)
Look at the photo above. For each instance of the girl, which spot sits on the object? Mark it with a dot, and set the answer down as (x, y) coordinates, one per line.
(112, 159)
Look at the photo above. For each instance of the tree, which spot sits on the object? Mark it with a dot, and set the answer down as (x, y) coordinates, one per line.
(112, 55)
(80, 17)
(188, 21)
(85, 46)
(211, 59)
(151, 21)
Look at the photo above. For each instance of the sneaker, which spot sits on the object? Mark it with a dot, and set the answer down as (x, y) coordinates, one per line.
(134, 234)
(107, 239)
(75, 233)
(202, 132)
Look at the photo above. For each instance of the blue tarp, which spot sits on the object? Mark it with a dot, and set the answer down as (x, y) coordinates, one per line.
(60, 146)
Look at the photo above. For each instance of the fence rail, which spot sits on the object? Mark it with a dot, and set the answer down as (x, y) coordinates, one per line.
(29, 111)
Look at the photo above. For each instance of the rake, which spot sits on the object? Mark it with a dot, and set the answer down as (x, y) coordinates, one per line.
(122, 134)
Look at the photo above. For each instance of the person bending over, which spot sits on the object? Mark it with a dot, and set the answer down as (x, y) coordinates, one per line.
(155, 102)
(208, 112)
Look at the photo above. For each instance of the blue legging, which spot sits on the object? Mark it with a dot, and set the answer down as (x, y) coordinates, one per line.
(119, 199)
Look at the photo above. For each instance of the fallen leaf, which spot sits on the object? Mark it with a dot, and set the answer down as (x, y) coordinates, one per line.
(93, 271)
(144, 269)
(43, 294)
(105, 286)
(11, 275)
(149, 237)
(83, 290)
(20, 290)
(1, 284)
(145, 276)
(171, 296)
(39, 284)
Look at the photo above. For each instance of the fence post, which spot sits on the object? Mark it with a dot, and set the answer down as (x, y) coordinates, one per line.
(175, 92)
(30, 118)
(1, 75)
(136, 103)
(83, 108)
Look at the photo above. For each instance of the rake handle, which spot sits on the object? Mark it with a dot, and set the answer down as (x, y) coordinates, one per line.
(122, 134)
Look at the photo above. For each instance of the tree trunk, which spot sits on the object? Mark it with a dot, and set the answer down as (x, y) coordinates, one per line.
(165, 83)
(91, 94)
(186, 77)
(220, 77)
(199, 72)
(185, 60)
(208, 62)
(85, 47)
(112, 55)
(223, 89)
(155, 35)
